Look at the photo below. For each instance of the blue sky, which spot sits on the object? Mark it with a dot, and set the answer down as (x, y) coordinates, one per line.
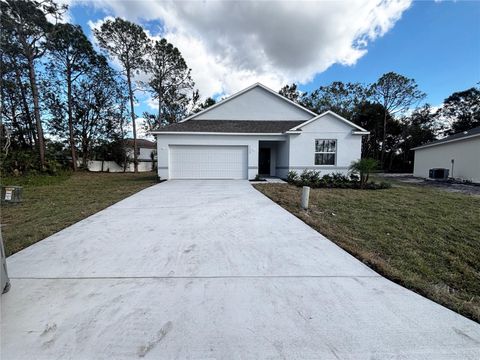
(436, 43)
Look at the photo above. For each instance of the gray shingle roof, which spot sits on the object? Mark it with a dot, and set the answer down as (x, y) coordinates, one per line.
(141, 143)
(231, 126)
(458, 136)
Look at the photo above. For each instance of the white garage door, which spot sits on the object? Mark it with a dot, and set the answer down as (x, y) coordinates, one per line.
(208, 162)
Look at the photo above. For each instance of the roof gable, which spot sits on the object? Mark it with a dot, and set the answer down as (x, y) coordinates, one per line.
(354, 127)
(255, 103)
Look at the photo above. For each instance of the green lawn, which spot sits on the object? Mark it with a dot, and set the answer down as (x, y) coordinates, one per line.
(425, 239)
(51, 203)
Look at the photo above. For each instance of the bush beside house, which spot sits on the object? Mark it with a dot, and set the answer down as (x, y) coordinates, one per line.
(356, 179)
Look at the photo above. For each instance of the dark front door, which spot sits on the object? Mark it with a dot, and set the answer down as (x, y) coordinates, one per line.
(264, 161)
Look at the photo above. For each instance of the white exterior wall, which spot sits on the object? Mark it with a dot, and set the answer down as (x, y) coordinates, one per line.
(302, 146)
(251, 141)
(256, 104)
(466, 154)
(283, 156)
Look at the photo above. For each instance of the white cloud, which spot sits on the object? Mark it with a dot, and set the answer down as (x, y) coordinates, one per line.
(230, 45)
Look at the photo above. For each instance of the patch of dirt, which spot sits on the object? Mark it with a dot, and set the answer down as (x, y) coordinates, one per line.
(441, 185)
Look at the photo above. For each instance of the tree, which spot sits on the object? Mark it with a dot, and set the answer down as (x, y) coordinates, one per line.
(25, 22)
(205, 105)
(417, 129)
(462, 109)
(291, 92)
(71, 56)
(129, 43)
(98, 104)
(16, 99)
(98, 107)
(396, 93)
(170, 81)
(341, 98)
(369, 116)
(364, 167)
(178, 105)
(13, 116)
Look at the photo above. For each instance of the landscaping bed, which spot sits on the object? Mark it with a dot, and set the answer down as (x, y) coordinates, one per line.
(51, 203)
(422, 238)
(314, 179)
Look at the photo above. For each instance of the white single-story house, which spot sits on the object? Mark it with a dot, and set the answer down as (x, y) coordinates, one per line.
(256, 131)
(459, 153)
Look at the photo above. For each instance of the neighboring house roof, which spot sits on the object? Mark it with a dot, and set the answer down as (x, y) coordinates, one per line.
(141, 143)
(231, 126)
(329, 112)
(455, 137)
(244, 91)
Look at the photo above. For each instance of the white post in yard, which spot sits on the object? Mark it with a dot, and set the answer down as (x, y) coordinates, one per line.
(305, 197)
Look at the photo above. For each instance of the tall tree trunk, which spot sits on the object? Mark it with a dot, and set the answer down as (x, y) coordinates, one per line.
(36, 110)
(132, 112)
(382, 156)
(31, 129)
(124, 143)
(85, 155)
(70, 119)
(17, 126)
(159, 111)
(160, 100)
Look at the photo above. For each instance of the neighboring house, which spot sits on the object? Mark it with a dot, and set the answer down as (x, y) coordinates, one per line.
(145, 150)
(459, 153)
(145, 153)
(256, 131)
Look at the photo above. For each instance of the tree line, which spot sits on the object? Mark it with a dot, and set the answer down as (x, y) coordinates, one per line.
(61, 98)
(390, 109)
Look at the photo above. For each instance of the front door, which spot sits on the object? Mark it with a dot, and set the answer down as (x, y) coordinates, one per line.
(264, 161)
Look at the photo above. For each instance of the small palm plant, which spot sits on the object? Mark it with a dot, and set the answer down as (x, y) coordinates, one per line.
(364, 167)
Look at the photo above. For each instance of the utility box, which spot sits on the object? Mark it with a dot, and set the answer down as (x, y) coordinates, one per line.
(438, 174)
(11, 194)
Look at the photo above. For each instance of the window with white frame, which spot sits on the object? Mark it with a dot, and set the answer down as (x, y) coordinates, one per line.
(325, 151)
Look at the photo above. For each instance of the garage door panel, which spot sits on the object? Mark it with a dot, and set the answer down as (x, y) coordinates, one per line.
(208, 162)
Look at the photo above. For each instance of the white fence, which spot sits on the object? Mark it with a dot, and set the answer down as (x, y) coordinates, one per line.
(112, 166)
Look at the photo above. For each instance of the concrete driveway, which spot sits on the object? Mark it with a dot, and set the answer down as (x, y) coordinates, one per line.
(213, 270)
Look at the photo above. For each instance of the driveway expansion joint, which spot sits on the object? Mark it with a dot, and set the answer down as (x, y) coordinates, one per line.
(197, 277)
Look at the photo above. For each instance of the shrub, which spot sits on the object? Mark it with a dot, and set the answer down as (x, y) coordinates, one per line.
(363, 167)
(292, 177)
(27, 162)
(309, 178)
(53, 167)
(336, 180)
(19, 162)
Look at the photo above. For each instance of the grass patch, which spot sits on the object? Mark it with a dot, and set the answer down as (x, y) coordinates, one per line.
(51, 203)
(425, 239)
